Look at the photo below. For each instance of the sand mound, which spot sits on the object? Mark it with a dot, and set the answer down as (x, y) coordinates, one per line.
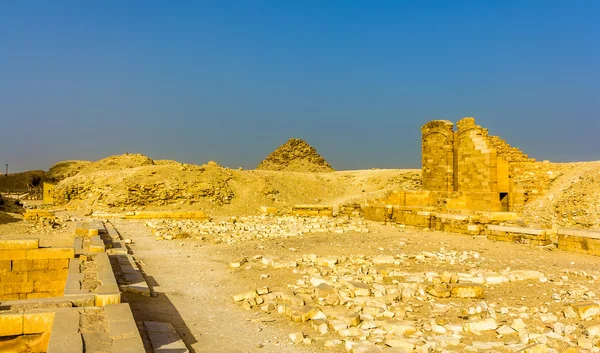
(124, 161)
(295, 156)
(214, 189)
(573, 200)
(65, 169)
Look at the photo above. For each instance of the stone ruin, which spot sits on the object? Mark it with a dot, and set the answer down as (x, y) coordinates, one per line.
(466, 169)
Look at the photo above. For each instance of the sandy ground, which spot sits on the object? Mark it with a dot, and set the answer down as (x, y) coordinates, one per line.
(196, 285)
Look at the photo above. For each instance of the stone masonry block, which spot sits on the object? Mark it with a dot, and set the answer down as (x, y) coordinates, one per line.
(50, 253)
(129, 345)
(58, 264)
(16, 288)
(5, 266)
(22, 265)
(16, 244)
(50, 275)
(11, 324)
(13, 277)
(48, 286)
(39, 265)
(13, 254)
(37, 321)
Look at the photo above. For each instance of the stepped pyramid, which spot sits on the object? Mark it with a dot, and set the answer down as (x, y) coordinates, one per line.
(295, 156)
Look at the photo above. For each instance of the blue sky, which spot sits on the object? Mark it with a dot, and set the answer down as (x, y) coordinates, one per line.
(231, 80)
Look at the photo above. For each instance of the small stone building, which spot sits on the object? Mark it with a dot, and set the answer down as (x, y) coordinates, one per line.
(465, 171)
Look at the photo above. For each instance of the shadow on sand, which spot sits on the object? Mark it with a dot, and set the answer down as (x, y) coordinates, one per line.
(159, 309)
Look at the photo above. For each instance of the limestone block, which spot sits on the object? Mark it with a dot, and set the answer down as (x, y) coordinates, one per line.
(37, 295)
(97, 245)
(328, 261)
(296, 337)
(15, 288)
(16, 244)
(586, 309)
(13, 276)
(50, 253)
(49, 275)
(268, 210)
(245, 296)
(48, 286)
(466, 290)
(37, 321)
(480, 325)
(17, 254)
(57, 264)
(5, 266)
(106, 297)
(97, 341)
(11, 324)
(164, 337)
(439, 291)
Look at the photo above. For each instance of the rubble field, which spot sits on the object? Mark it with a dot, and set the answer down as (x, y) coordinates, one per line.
(344, 289)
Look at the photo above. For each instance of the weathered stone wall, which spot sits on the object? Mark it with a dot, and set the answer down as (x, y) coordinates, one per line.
(477, 162)
(29, 272)
(438, 155)
(470, 169)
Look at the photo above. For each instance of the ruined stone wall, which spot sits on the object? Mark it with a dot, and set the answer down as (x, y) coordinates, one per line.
(438, 156)
(507, 152)
(477, 160)
(472, 170)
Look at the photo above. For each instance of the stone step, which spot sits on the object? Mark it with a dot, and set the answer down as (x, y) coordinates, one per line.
(136, 283)
(164, 338)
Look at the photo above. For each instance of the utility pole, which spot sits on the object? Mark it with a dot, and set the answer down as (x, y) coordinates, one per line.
(6, 174)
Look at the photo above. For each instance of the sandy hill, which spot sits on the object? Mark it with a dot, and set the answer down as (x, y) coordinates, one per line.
(19, 181)
(65, 169)
(295, 156)
(573, 199)
(135, 182)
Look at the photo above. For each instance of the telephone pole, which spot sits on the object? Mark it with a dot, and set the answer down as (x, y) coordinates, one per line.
(6, 174)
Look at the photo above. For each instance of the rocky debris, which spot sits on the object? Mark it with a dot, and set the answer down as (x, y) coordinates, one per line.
(572, 198)
(134, 181)
(377, 304)
(295, 156)
(254, 227)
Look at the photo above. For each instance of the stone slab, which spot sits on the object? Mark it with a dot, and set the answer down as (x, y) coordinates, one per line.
(164, 338)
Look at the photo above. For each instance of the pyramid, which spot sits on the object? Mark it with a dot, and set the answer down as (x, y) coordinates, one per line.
(295, 156)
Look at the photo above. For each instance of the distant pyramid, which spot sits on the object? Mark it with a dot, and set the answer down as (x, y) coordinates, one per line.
(295, 156)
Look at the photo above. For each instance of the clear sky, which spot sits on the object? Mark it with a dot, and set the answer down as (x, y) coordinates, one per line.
(231, 80)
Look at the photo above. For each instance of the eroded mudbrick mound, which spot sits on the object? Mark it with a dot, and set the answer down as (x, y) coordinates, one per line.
(295, 156)
(65, 169)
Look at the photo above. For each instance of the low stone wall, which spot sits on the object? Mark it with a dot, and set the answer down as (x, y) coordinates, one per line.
(312, 210)
(414, 217)
(199, 215)
(27, 271)
(579, 241)
(84, 294)
(63, 329)
(103, 285)
(457, 223)
(532, 236)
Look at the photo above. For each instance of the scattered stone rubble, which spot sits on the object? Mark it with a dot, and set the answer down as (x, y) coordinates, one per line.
(253, 227)
(377, 304)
